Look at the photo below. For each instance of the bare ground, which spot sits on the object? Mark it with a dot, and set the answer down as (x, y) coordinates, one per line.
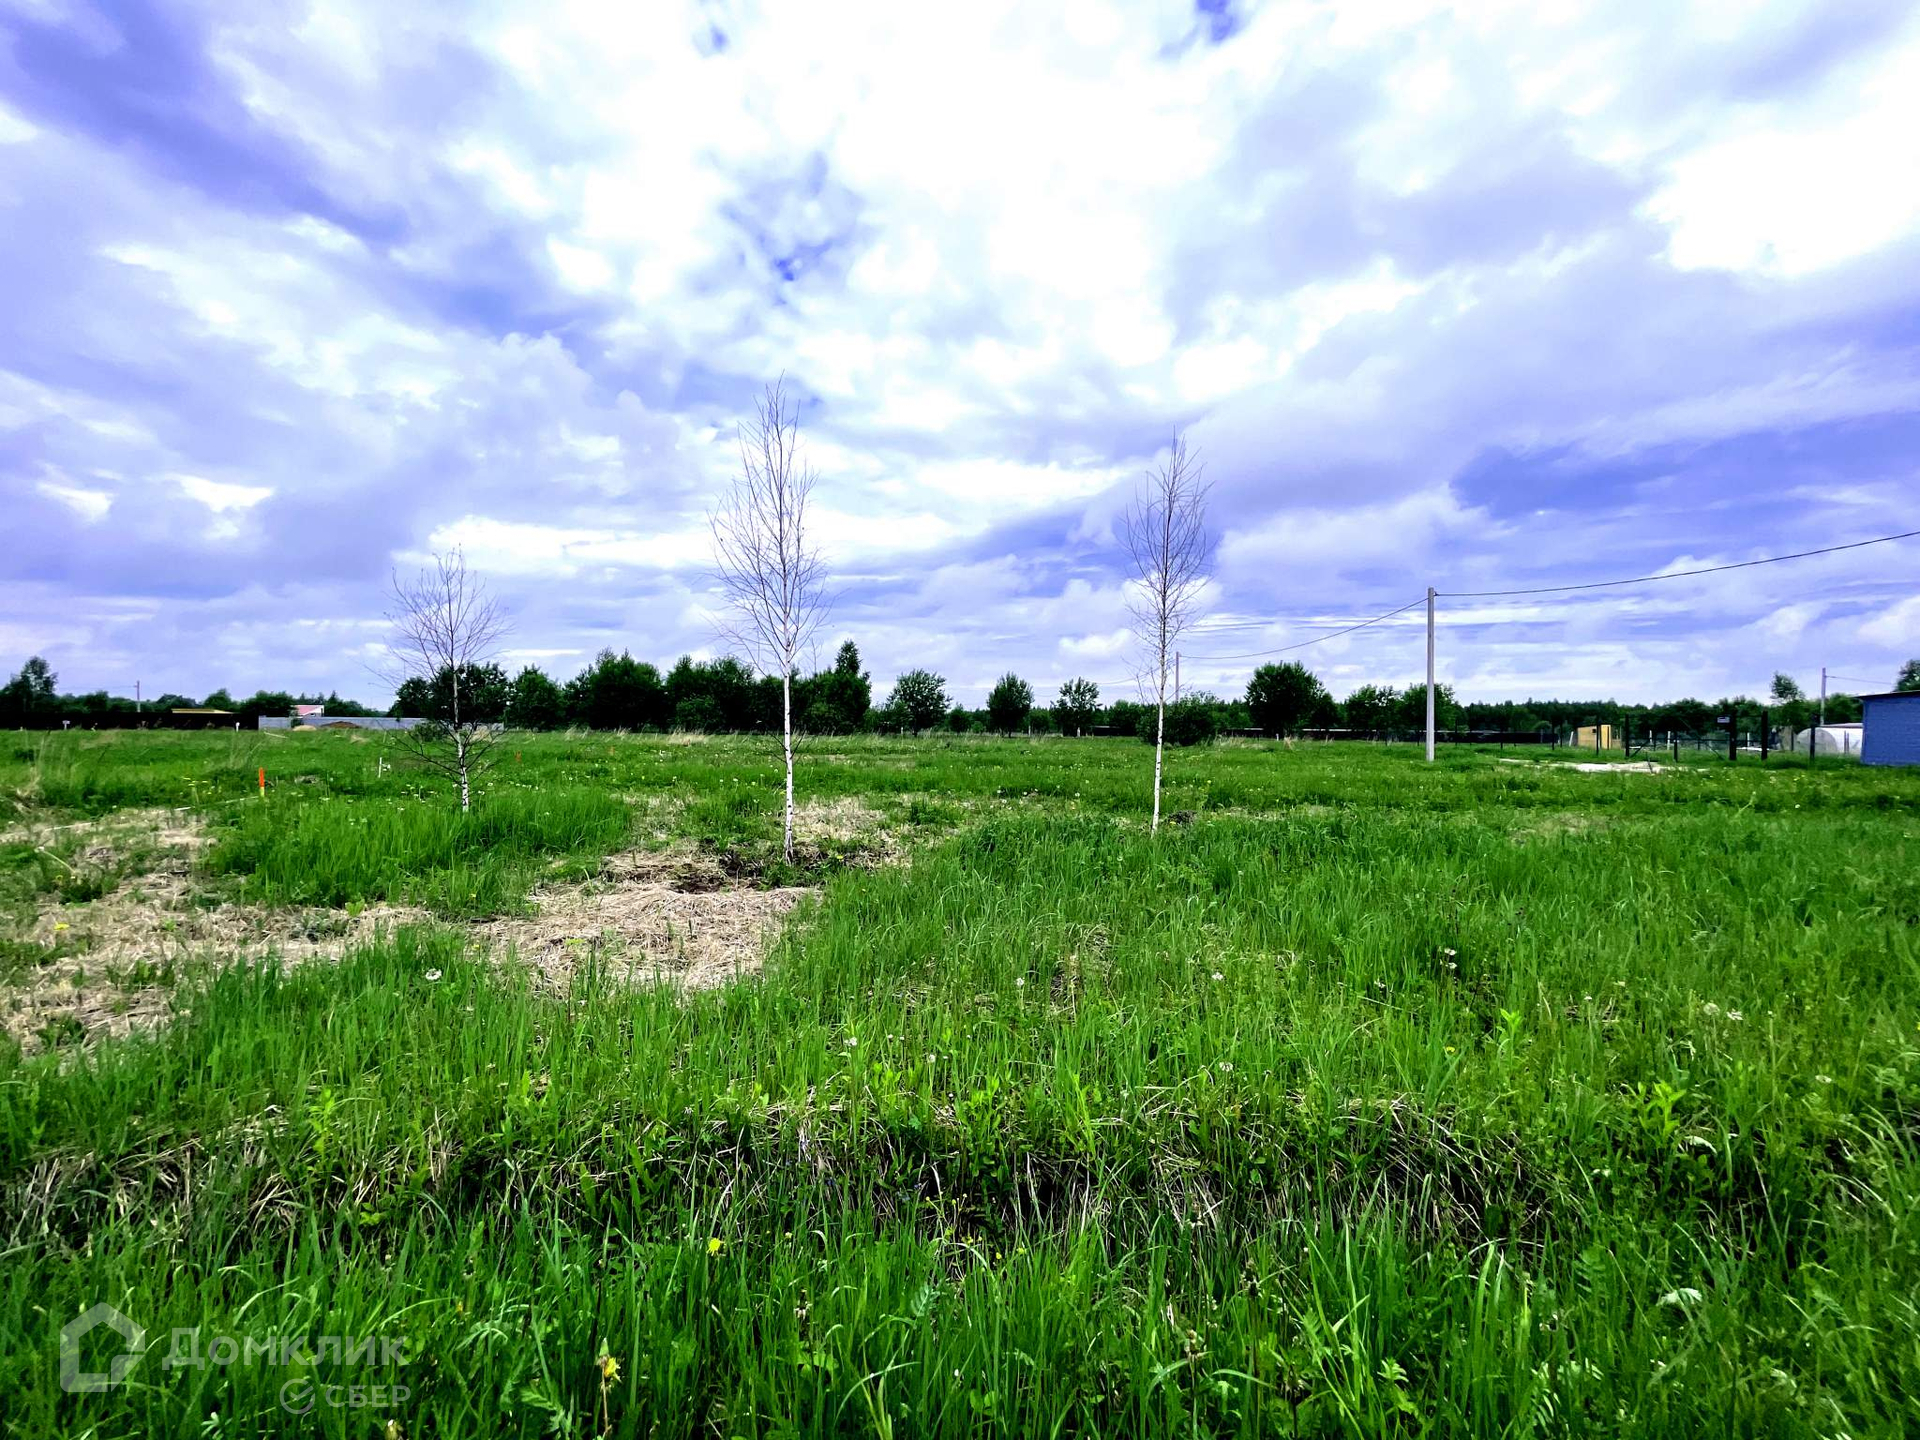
(650, 915)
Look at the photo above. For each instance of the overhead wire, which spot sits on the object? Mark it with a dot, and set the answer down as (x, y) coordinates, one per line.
(1329, 635)
(1673, 574)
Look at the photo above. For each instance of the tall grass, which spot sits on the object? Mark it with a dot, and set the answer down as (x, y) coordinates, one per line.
(1403, 1110)
(418, 852)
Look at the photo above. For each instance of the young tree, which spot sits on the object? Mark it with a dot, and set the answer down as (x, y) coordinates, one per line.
(1077, 706)
(445, 629)
(772, 579)
(1281, 697)
(1009, 704)
(1166, 537)
(919, 698)
(1785, 688)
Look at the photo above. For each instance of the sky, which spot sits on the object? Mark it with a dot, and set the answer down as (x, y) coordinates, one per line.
(1522, 294)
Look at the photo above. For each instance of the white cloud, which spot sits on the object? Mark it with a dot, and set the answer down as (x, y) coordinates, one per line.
(1896, 628)
(89, 505)
(1007, 250)
(1805, 190)
(220, 496)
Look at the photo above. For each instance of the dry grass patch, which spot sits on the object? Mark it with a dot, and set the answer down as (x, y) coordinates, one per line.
(110, 963)
(649, 916)
(1552, 825)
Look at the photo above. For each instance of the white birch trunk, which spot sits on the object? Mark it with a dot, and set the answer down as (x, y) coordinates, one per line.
(1159, 744)
(786, 727)
(460, 749)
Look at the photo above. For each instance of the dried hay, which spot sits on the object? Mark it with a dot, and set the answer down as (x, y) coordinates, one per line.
(113, 958)
(659, 915)
(650, 916)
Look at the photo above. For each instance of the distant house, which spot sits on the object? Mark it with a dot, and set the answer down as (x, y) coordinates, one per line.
(1891, 725)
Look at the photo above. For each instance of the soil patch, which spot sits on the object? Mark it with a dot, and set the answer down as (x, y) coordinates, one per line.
(649, 916)
(109, 966)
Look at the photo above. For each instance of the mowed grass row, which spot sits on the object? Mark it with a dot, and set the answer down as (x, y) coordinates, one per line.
(1359, 1121)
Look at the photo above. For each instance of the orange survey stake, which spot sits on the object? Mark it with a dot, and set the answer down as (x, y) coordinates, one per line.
(263, 782)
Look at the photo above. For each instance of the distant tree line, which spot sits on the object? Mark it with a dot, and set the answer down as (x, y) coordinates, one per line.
(618, 692)
(31, 701)
(1288, 699)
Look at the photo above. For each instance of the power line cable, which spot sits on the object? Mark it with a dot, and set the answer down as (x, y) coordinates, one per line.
(1676, 574)
(1330, 635)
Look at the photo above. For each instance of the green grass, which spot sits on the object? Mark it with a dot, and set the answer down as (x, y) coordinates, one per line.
(1381, 1099)
(422, 852)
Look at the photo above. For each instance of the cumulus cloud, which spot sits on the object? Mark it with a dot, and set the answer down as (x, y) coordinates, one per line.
(1478, 299)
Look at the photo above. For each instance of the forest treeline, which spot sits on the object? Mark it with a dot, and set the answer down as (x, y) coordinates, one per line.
(618, 692)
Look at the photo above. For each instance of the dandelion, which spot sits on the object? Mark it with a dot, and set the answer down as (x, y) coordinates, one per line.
(1218, 977)
(852, 1042)
(1735, 1016)
(1450, 1050)
(715, 1245)
(1019, 982)
(1226, 1067)
(1824, 1079)
(610, 1369)
(1710, 1010)
(1449, 953)
(432, 975)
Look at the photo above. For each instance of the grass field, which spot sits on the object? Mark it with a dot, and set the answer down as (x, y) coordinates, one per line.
(1373, 1098)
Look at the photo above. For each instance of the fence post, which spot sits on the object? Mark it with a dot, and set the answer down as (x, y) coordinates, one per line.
(1766, 737)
